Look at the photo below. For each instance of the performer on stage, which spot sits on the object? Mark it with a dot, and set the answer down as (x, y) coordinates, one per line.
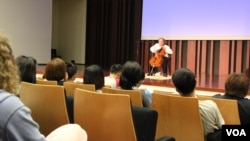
(160, 58)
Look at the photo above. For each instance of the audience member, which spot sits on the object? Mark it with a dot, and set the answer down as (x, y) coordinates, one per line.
(132, 76)
(16, 123)
(236, 87)
(27, 68)
(94, 74)
(113, 79)
(185, 82)
(71, 69)
(55, 70)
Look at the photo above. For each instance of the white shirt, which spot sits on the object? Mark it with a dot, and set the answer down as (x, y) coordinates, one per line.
(210, 115)
(156, 47)
(110, 81)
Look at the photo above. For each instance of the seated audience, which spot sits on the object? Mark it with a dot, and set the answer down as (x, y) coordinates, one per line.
(185, 82)
(132, 76)
(237, 87)
(56, 70)
(94, 74)
(16, 123)
(27, 68)
(113, 79)
(71, 69)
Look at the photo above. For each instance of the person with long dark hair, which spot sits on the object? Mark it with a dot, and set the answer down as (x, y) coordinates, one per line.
(131, 78)
(27, 68)
(94, 74)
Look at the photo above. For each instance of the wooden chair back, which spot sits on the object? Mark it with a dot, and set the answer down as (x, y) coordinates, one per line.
(46, 82)
(47, 104)
(135, 95)
(178, 117)
(104, 116)
(71, 86)
(171, 93)
(228, 109)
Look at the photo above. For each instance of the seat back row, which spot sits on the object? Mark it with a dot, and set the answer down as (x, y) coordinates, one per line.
(104, 116)
(111, 114)
(179, 116)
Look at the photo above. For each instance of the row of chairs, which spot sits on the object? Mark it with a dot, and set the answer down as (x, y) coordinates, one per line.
(135, 95)
(171, 109)
(69, 86)
(177, 116)
(104, 116)
(228, 108)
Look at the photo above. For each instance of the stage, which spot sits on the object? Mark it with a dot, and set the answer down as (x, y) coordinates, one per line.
(205, 83)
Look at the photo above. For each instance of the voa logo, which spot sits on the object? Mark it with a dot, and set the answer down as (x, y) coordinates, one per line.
(236, 132)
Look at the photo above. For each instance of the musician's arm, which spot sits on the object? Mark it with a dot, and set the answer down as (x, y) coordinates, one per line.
(168, 50)
(155, 48)
(152, 49)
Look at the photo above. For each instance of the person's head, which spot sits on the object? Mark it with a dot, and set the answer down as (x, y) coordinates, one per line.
(94, 74)
(115, 70)
(247, 72)
(131, 76)
(27, 68)
(71, 69)
(161, 41)
(184, 81)
(9, 78)
(56, 70)
(237, 85)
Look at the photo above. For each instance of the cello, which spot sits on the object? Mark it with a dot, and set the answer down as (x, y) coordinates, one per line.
(157, 59)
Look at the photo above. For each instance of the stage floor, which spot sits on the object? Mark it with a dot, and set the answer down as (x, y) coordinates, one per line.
(203, 82)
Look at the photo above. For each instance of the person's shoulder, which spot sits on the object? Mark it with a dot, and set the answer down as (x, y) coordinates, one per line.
(218, 96)
(156, 46)
(9, 103)
(7, 96)
(244, 101)
(108, 78)
(207, 103)
(166, 46)
(110, 81)
(146, 91)
(60, 83)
